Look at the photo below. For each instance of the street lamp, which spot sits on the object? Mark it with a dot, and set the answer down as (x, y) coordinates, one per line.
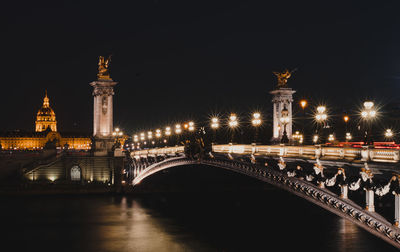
(298, 137)
(167, 134)
(256, 122)
(168, 131)
(331, 138)
(348, 136)
(118, 135)
(191, 126)
(142, 136)
(233, 123)
(303, 104)
(346, 119)
(315, 139)
(284, 121)
(214, 127)
(321, 117)
(178, 131)
(158, 133)
(150, 136)
(368, 114)
(158, 136)
(388, 133)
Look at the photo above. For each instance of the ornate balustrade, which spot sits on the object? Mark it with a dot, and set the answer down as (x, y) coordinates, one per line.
(307, 152)
(313, 152)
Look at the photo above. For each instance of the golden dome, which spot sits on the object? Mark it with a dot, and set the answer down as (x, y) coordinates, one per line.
(46, 118)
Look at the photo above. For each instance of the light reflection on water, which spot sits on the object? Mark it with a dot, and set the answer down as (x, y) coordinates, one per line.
(226, 222)
(130, 227)
(349, 234)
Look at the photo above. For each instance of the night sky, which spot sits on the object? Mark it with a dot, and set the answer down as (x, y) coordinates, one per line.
(181, 60)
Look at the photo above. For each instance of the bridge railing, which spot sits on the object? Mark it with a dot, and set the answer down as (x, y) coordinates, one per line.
(306, 151)
(310, 151)
(157, 151)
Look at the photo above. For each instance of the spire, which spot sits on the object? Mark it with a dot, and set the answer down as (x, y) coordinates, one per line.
(46, 100)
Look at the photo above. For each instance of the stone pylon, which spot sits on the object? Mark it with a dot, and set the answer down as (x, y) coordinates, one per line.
(282, 98)
(103, 91)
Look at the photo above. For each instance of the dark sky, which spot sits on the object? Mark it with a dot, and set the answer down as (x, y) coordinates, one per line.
(178, 60)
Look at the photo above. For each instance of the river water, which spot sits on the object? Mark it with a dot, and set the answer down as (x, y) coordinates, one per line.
(225, 220)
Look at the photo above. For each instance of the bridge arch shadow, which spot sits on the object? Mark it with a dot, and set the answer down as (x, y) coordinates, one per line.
(192, 178)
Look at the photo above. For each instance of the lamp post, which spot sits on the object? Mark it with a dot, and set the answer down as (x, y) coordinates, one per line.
(158, 136)
(346, 119)
(303, 104)
(233, 123)
(256, 122)
(321, 117)
(348, 136)
(298, 137)
(389, 134)
(168, 135)
(284, 121)
(191, 126)
(368, 114)
(178, 131)
(118, 135)
(135, 141)
(150, 138)
(214, 127)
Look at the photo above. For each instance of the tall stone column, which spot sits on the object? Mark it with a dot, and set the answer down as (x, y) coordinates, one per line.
(282, 97)
(103, 91)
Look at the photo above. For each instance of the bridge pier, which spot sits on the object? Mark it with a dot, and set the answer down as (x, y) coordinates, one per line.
(396, 209)
(344, 191)
(369, 200)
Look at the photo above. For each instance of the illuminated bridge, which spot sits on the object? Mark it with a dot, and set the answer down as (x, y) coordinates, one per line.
(309, 171)
(272, 164)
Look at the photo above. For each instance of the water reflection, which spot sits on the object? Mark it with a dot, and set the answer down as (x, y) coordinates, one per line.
(189, 222)
(348, 234)
(130, 227)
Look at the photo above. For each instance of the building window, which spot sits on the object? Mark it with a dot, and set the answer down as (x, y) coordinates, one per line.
(75, 173)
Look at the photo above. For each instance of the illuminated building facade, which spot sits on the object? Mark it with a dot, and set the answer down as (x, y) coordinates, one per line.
(46, 118)
(45, 133)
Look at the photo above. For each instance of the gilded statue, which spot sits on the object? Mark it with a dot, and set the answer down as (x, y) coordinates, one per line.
(283, 77)
(104, 64)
